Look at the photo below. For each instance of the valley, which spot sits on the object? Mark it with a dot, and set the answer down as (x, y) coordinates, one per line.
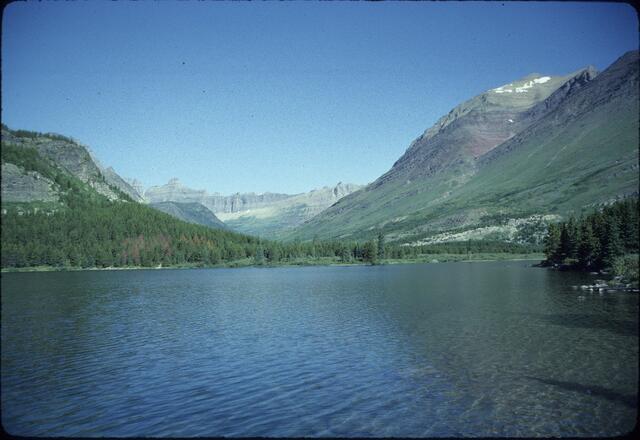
(320, 219)
(498, 168)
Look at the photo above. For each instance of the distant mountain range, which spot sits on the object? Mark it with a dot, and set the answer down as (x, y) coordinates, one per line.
(270, 214)
(190, 212)
(265, 214)
(498, 166)
(503, 163)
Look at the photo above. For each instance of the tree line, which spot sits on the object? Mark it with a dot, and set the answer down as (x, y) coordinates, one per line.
(86, 229)
(127, 234)
(596, 241)
(95, 232)
(36, 134)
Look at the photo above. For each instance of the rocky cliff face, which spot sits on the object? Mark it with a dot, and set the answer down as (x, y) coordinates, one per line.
(175, 191)
(66, 153)
(478, 125)
(114, 179)
(268, 214)
(136, 185)
(21, 186)
(582, 94)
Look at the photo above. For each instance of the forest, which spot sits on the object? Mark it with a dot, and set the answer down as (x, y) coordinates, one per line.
(603, 240)
(85, 229)
(128, 234)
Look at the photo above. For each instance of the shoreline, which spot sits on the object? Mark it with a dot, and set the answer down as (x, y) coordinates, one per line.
(444, 258)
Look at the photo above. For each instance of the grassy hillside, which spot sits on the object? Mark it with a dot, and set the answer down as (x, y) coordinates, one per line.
(580, 153)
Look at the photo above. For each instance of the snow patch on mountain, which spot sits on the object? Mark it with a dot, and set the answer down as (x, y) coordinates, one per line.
(523, 88)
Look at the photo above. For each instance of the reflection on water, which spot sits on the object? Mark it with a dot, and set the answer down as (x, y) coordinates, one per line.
(626, 327)
(490, 349)
(630, 400)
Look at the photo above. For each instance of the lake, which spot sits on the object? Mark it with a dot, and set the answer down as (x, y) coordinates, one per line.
(450, 349)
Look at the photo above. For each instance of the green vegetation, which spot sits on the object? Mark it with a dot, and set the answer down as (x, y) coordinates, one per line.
(87, 230)
(27, 158)
(107, 233)
(73, 192)
(603, 240)
(583, 152)
(36, 134)
(102, 233)
(112, 234)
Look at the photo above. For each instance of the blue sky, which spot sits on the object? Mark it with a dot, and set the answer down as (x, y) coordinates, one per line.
(278, 96)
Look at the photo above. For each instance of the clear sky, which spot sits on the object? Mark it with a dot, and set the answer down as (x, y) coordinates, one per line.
(278, 96)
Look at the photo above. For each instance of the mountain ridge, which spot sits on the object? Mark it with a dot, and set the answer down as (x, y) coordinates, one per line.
(69, 154)
(264, 214)
(193, 212)
(428, 189)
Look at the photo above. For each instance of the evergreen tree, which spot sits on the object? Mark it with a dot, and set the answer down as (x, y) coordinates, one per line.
(552, 243)
(370, 252)
(272, 253)
(568, 240)
(259, 256)
(380, 246)
(345, 254)
(589, 246)
(628, 214)
(612, 245)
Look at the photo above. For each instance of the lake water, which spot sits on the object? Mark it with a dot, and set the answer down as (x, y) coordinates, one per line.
(453, 349)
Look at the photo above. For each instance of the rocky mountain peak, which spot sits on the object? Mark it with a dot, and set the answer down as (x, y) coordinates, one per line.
(135, 184)
(523, 85)
(516, 96)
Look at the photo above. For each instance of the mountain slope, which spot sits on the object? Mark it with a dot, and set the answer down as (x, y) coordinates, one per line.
(277, 218)
(470, 170)
(190, 212)
(269, 215)
(20, 185)
(52, 217)
(65, 153)
(114, 179)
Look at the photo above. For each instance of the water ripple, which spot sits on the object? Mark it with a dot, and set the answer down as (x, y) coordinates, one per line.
(402, 351)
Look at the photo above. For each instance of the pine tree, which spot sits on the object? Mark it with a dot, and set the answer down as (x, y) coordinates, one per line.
(370, 252)
(381, 246)
(628, 214)
(589, 246)
(259, 256)
(552, 243)
(612, 245)
(345, 255)
(568, 240)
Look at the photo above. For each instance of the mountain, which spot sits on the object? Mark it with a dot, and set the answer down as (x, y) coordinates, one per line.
(192, 212)
(504, 162)
(19, 185)
(66, 153)
(136, 185)
(75, 158)
(275, 219)
(114, 179)
(268, 214)
(51, 150)
(175, 191)
(59, 210)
